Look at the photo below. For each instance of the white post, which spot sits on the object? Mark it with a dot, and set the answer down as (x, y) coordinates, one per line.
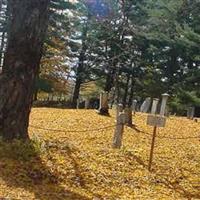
(163, 104)
(118, 135)
(154, 106)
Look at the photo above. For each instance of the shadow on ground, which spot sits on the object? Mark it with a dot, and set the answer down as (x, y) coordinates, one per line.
(32, 175)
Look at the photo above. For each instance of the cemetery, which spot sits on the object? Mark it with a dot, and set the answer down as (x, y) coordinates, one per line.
(89, 152)
(99, 100)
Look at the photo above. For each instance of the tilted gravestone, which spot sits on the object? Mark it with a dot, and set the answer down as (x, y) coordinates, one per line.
(190, 113)
(146, 105)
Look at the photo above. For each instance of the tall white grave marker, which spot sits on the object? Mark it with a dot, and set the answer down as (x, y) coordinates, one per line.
(163, 104)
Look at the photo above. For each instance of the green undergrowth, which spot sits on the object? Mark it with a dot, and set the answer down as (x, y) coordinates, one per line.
(22, 150)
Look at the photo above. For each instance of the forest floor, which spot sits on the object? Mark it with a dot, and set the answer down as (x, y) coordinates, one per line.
(68, 162)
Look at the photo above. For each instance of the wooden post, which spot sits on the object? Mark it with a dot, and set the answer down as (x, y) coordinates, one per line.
(152, 148)
(118, 135)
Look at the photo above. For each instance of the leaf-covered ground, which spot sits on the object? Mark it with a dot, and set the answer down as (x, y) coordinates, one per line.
(83, 165)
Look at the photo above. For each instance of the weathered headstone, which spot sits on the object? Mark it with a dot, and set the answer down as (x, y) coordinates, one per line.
(167, 111)
(87, 103)
(154, 106)
(78, 103)
(190, 112)
(134, 104)
(146, 105)
(163, 104)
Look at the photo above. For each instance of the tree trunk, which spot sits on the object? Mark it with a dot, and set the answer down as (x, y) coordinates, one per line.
(80, 69)
(126, 91)
(130, 101)
(76, 92)
(109, 80)
(2, 47)
(27, 30)
(35, 95)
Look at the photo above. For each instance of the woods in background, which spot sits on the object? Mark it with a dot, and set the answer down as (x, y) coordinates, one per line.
(128, 48)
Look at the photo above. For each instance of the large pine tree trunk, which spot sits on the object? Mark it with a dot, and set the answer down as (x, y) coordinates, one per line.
(2, 46)
(76, 92)
(27, 29)
(80, 69)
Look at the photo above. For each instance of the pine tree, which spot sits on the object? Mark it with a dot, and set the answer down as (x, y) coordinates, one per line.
(27, 28)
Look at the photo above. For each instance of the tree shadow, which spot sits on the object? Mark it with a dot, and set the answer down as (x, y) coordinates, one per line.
(32, 175)
(78, 171)
(139, 160)
(176, 185)
(134, 127)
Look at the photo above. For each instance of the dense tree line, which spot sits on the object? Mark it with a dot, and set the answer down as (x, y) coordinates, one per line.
(131, 49)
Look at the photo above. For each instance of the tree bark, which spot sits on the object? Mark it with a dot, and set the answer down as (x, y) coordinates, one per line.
(130, 101)
(2, 47)
(109, 80)
(80, 69)
(76, 92)
(27, 28)
(126, 90)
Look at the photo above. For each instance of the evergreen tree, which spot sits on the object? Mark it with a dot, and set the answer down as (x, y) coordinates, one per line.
(27, 28)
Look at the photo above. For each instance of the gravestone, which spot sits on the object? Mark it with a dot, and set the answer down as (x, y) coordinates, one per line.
(190, 112)
(167, 111)
(78, 103)
(154, 106)
(87, 103)
(146, 105)
(163, 104)
(134, 104)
